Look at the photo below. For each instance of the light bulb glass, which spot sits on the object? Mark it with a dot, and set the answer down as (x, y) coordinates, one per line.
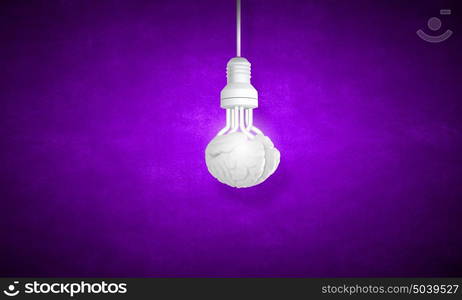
(241, 159)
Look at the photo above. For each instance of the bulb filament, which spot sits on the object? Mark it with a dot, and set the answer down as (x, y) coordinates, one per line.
(240, 118)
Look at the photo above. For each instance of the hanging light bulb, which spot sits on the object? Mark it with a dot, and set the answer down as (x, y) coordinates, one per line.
(240, 155)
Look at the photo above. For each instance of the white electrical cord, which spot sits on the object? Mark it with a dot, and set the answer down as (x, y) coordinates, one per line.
(238, 28)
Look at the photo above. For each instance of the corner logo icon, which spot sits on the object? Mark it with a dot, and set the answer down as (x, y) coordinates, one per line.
(10, 291)
(435, 24)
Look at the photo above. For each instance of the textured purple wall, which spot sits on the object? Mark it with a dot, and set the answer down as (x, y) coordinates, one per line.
(107, 106)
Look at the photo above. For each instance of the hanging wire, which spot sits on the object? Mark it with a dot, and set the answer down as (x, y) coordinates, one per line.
(238, 28)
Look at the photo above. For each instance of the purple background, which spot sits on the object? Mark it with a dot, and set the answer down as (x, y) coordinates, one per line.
(107, 106)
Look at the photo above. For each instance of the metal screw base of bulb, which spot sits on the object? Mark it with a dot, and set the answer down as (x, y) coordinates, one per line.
(238, 90)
